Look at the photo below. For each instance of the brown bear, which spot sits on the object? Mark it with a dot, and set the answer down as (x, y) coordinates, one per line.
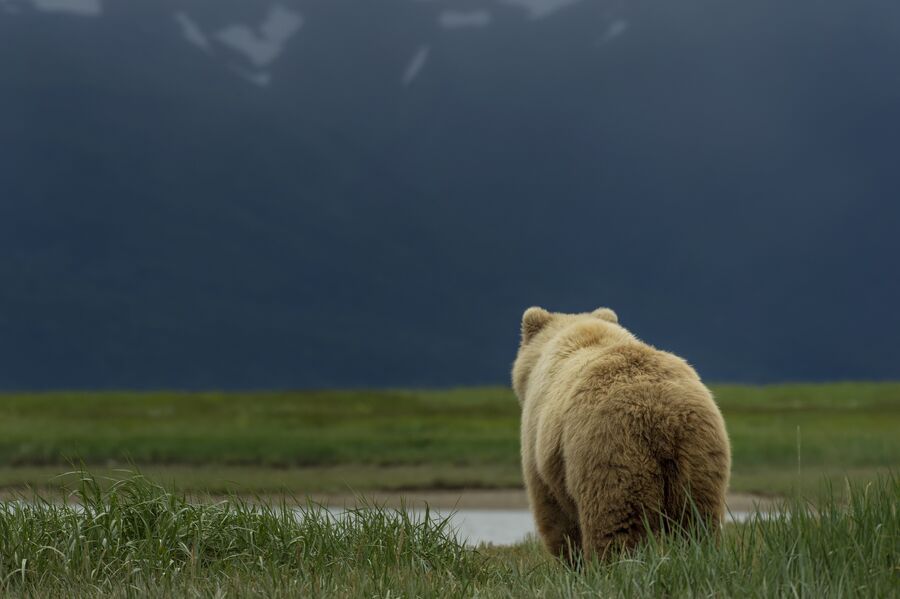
(616, 435)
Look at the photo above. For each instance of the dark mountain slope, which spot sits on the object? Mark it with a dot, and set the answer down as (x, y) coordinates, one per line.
(353, 193)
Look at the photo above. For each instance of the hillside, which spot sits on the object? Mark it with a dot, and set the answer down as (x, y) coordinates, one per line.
(225, 194)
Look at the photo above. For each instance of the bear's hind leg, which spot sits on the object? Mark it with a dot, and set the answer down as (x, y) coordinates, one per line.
(618, 502)
(696, 488)
(558, 530)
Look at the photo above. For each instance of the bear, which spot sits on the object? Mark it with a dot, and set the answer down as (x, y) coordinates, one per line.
(618, 437)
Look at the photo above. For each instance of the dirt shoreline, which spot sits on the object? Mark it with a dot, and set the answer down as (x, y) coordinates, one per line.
(491, 499)
(443, 499)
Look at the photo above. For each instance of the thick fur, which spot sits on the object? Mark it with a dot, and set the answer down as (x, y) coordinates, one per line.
(615, 435)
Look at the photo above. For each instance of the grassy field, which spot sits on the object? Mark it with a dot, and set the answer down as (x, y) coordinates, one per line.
(783, 437)
(137, 539)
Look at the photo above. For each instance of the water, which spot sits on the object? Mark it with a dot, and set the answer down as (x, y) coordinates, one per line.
(501, 527)
(496, 527)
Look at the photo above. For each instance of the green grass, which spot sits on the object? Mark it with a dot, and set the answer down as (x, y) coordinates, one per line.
(137, 539)
(270, 429)
(332, 440)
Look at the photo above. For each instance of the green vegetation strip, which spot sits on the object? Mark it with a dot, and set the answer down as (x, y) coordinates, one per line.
(783, 436)
(137, 539)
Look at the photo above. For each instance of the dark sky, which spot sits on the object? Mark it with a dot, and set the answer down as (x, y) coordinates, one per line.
(232, 194)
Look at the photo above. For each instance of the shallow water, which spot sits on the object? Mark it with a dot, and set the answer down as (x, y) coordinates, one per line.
(501, 527)
(496, 527)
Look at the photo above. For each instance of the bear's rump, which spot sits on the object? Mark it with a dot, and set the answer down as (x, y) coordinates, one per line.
(638, 449)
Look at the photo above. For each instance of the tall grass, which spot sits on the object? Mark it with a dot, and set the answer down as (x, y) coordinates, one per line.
(134, 538)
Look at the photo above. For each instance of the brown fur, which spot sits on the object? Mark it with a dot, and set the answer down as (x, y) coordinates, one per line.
(615, 434)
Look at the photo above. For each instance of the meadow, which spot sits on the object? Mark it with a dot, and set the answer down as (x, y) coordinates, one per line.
(784, 437)
(135, 538)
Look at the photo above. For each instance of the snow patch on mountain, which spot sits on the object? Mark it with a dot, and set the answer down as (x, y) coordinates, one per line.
(539, 9)
(83, 8)
(416, 64)
(254, 48)
(456, 19)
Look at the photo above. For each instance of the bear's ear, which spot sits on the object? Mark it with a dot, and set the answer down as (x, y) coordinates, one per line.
(606, 314)
(533, 320)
